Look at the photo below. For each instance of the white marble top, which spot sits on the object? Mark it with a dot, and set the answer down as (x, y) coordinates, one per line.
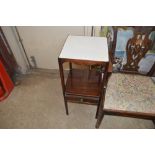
(85, 48)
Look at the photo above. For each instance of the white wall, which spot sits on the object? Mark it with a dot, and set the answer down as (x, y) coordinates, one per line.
(45, 43)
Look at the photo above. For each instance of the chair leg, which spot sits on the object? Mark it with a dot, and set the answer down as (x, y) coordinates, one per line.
(66, 107)
(99, 114)
(96, 116)
(99, 119)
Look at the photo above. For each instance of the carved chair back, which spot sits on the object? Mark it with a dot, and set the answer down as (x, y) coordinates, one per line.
(136, 49)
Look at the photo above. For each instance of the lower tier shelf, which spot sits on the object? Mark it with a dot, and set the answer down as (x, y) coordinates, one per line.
(83, 83)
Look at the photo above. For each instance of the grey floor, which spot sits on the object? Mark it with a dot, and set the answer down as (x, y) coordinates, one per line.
(38, 103)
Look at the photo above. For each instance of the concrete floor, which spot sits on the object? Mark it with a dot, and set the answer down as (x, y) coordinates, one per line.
(38, 103)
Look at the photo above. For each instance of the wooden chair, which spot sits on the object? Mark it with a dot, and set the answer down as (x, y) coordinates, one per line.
(129, 93)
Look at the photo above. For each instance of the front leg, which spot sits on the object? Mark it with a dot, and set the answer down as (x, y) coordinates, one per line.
(99, 119)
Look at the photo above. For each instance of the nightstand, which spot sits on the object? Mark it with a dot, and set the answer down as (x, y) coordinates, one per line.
(84, 86)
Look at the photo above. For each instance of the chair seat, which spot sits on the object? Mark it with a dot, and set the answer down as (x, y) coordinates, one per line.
(129, 92)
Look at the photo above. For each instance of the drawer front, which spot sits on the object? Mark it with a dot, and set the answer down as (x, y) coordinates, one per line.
(80, 99)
